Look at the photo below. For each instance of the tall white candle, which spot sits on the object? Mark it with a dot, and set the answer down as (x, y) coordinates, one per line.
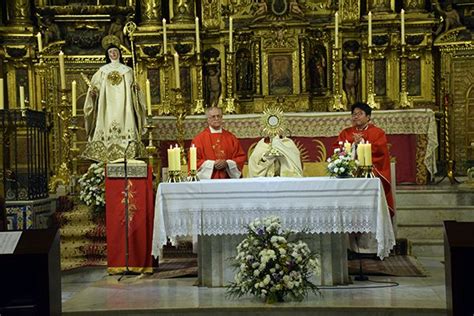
(360, 154)
(176, 71)
(148, 97)
(402, 17)
(73, 97)
(165, 49)
(22, 97)
(336, 30)
(368, 154)
(347, 147)
(231, 49)
(2, 95)
(62, 71)
(198, 40)
(369, 39)
(40, 42)
(177, 156)
(171, 159)
(192, 158)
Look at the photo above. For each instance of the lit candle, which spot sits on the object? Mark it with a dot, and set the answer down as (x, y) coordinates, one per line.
(22, 97)
(192, 157)
(171, 158)
(336, 30)
(368, 154)
(62, 72)
(198, 40)
(360, 154)
(176, 70)
(230, 35)
(165, 49)
(40, 42)
(402, 16)
(369, 39)
(177, 157)
(2, 96)
(148, 97)
(73, 97)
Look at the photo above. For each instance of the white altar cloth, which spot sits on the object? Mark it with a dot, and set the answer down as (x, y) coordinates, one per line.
(314, 205)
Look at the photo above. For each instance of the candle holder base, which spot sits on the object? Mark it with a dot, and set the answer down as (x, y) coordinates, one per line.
(404, 103)
(174, 176)
(193, 177)
(371, 101)
(365, 172)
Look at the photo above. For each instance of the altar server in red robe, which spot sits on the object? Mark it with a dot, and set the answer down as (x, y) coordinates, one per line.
(364, 130)
(219, 153)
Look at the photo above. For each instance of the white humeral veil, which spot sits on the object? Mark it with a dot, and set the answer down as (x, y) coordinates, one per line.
(287, 164)
(112, 118)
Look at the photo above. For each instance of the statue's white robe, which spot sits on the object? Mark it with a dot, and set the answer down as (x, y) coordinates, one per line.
(112, 117)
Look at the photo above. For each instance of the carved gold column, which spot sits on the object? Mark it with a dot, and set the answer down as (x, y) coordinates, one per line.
(183, 11)
(19, 12)
(336, 103)
(150, 12)
(370, 80)
(403, 102)
(229, 101)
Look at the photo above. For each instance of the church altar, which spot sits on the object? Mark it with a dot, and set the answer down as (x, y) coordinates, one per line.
(325, 209)
(411, 133)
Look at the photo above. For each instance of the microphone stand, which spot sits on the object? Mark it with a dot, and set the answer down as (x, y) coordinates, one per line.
(127, 270)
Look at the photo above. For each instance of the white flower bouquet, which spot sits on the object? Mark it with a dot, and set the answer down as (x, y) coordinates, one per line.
(92, 185)
(342, 164)
(271, 267)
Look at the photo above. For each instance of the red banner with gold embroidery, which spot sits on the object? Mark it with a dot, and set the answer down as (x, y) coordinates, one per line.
(140, 224)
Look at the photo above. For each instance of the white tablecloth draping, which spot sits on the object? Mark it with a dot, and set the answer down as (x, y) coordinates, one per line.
(313, 205)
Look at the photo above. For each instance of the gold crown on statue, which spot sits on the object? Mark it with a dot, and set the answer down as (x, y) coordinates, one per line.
(110, 40)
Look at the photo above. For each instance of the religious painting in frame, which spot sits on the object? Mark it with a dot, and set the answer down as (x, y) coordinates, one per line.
(154, 77)
(280, 75)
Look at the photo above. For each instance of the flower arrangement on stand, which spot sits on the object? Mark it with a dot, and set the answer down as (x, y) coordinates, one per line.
(272, 267)
(92, 187)
(342, 163)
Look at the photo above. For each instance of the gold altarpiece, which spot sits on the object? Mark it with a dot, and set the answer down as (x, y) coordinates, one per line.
(283, 53)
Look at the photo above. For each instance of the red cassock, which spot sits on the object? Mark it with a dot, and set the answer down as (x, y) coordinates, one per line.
(214, 146)
(140, 228)
(380, 155)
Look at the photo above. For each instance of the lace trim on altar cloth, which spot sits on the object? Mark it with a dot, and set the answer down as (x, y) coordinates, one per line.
(325, 220)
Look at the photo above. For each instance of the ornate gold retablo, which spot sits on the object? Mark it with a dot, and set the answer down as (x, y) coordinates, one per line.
(114, 77)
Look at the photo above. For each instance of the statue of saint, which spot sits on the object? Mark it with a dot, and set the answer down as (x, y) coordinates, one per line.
(114, 112)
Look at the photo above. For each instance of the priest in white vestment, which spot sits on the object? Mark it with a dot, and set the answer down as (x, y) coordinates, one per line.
(114, 114)
(281, 157)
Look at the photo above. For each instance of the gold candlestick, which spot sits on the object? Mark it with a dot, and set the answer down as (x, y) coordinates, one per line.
(365, 172)
(229, 101)
(336, 104)
(199, 102)
(150, 148)
(370, 81)
(403, 102)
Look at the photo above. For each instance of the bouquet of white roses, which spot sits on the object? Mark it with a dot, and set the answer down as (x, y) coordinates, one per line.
(342, 163)
(92, 185)
(270, 266)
